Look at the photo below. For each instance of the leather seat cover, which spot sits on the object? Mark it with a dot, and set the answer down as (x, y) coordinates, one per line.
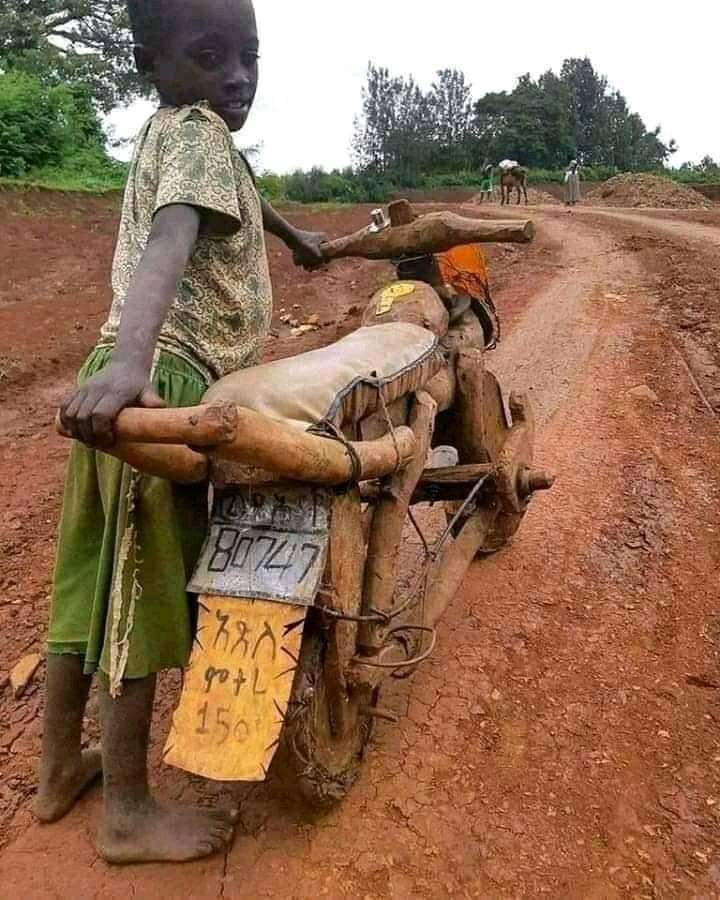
(339, 384)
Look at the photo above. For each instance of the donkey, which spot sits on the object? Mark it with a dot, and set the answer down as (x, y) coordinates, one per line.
(513, 179)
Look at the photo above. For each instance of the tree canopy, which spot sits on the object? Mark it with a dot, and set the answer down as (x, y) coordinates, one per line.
(80, 41)
(542, 123)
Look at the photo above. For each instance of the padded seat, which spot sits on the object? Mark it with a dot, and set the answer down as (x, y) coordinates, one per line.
(339, 385)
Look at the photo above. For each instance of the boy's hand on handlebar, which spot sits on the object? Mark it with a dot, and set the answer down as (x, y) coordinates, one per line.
(307, 249)
(89, 414)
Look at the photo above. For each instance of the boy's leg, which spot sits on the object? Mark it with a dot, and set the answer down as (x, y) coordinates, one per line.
(136, 827)
(66, 770)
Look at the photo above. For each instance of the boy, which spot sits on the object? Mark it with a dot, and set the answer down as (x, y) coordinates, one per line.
(192, 302)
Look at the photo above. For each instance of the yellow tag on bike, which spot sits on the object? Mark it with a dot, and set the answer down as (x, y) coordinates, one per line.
(256, 578)
(236, 689)
(391, 295)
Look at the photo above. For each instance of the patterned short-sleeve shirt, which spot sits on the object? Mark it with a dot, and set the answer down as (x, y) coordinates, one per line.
(221, 315)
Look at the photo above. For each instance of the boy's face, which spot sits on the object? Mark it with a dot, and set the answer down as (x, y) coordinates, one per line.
(210, 52)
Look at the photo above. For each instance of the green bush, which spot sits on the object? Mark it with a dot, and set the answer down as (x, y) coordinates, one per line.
(52, 135)
(318, 186)
(272, 187)
(32, 126)
(348, 186)
(697, 175)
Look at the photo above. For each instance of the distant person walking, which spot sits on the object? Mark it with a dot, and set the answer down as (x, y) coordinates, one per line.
(487, 184)
(572, 184)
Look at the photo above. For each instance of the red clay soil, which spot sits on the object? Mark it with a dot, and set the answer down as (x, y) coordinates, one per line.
(643, 190)
(563, 740)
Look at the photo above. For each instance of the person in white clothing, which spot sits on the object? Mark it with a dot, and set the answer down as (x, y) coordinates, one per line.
(572, 184)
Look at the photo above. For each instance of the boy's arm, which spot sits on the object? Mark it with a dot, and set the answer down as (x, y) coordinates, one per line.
(305, 245)
(90, 412)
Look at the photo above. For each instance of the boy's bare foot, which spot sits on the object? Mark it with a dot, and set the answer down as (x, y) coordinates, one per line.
(60, 788)
(165, 834)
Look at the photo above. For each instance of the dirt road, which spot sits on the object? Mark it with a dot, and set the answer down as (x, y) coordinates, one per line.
(564, 740)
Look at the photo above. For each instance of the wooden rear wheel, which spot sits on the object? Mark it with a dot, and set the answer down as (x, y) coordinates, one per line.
(323, 763)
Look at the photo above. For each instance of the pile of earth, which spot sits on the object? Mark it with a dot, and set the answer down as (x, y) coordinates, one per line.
(649, 191)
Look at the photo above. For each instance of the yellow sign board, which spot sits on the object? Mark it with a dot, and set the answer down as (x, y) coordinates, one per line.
(237, 688)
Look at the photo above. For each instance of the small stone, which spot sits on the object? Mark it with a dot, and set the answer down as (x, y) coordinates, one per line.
(370, 863)
(643, 392)
(313, 320)
(23, 672)
(496, 695)
(664, 734)
(306, 329)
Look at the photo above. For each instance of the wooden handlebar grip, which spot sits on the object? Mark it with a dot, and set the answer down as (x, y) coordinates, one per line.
(198, 426)
(433, 233)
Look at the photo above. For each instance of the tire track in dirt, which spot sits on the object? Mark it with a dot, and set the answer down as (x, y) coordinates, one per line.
(681, 257)
(684, 230)
(549, 347)
(554, 746)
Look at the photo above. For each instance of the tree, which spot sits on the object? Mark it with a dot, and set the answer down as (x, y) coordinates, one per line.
(79, 41)
(586, 92)
(558, 121)
(375, 128)
(449, 103)
(708, 166)
(409, 144)
(405, 133)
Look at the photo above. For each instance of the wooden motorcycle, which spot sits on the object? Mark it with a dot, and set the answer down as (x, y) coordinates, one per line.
(317, 465)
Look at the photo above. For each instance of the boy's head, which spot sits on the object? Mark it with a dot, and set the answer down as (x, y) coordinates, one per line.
(195, 50)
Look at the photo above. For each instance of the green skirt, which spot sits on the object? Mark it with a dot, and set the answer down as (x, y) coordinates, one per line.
(127, 546)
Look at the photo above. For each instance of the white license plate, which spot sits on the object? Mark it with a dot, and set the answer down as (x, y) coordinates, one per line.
(265, 543)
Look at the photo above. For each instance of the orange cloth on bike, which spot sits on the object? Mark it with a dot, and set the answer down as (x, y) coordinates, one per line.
(465, 269)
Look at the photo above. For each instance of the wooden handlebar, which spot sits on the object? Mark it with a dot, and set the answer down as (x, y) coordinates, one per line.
(158, 441)
(432, 233)
(197, 426)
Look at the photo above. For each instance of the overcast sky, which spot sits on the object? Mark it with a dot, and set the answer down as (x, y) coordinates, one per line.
(663, 56)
